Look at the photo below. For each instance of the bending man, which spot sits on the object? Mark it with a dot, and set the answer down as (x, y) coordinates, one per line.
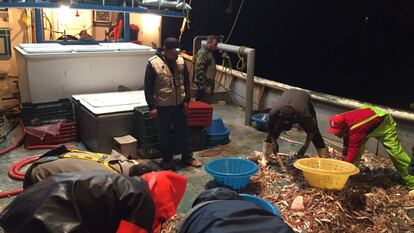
(62, 160)
(95, 202)
(356, 127)
(223, 210)
(294, 106)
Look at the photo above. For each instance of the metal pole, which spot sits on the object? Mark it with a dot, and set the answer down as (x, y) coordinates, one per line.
(250, 53)
(126, 27)
(39, 27)
(249, 87)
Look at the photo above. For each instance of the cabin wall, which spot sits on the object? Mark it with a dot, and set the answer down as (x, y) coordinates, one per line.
(18, 20)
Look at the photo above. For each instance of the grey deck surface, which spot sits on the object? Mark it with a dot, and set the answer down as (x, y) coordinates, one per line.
(244, 139)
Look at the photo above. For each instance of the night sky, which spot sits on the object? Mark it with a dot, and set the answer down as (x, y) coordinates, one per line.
(360, 49)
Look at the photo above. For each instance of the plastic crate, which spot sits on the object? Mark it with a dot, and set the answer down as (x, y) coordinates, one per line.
(47, 113)
(144, 140)
(146, 131)
(141, 118)
(199, 114)
(150, 151)
(198, 106)
(67, 133)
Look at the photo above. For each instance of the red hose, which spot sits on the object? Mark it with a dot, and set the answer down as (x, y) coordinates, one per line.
(14, 173)
(14, 170)
(10, 193)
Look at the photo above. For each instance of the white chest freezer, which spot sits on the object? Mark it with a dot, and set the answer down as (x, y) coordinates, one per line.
(48, 72)
(103, 116)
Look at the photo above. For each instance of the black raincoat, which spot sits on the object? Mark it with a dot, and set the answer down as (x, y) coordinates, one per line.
(90, 202)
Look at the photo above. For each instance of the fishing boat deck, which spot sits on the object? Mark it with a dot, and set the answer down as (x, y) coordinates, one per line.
(243, 140)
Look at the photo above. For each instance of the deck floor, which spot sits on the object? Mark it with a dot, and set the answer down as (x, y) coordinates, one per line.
(244, 139)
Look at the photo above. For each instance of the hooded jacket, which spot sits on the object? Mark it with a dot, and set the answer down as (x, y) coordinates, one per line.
(92, 202)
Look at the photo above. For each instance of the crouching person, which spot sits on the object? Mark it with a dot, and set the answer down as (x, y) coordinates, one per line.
(63, 160)
(95, 202)
(222, 210)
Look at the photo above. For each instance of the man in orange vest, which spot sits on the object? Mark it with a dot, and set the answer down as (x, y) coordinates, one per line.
(357, 126)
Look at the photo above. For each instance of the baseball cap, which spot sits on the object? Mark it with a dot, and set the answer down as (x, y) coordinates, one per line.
(172, 44)
(336, 124)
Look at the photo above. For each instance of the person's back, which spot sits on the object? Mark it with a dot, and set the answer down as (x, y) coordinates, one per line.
(62, 160)
(233, 216)
(94, 202)
(80, 202)
(223, 210)
(298, 100)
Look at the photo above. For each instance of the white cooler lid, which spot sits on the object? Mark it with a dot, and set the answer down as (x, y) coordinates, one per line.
(112, 102)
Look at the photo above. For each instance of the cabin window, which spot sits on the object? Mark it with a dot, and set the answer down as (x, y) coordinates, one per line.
(5, 47)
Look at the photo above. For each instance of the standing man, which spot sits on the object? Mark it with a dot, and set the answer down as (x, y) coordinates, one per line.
(205, 69)
(357, 126)
(167, 92)
(294, 106)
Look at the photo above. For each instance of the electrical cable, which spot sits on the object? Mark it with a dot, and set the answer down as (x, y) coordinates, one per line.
(212, 6)
(50, 25)
(235, 22)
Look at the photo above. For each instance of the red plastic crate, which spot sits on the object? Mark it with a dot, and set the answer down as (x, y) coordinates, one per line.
(199, 114)
(67, 133)
(198, 105)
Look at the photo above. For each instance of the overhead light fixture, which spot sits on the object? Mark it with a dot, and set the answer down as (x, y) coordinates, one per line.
(64, 14)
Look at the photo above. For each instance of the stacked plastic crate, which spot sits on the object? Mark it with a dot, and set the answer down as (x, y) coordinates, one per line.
(199, 114)
(39, 117)
(146, 130)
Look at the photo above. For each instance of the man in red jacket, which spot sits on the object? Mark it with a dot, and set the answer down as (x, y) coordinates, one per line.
(357, 126)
